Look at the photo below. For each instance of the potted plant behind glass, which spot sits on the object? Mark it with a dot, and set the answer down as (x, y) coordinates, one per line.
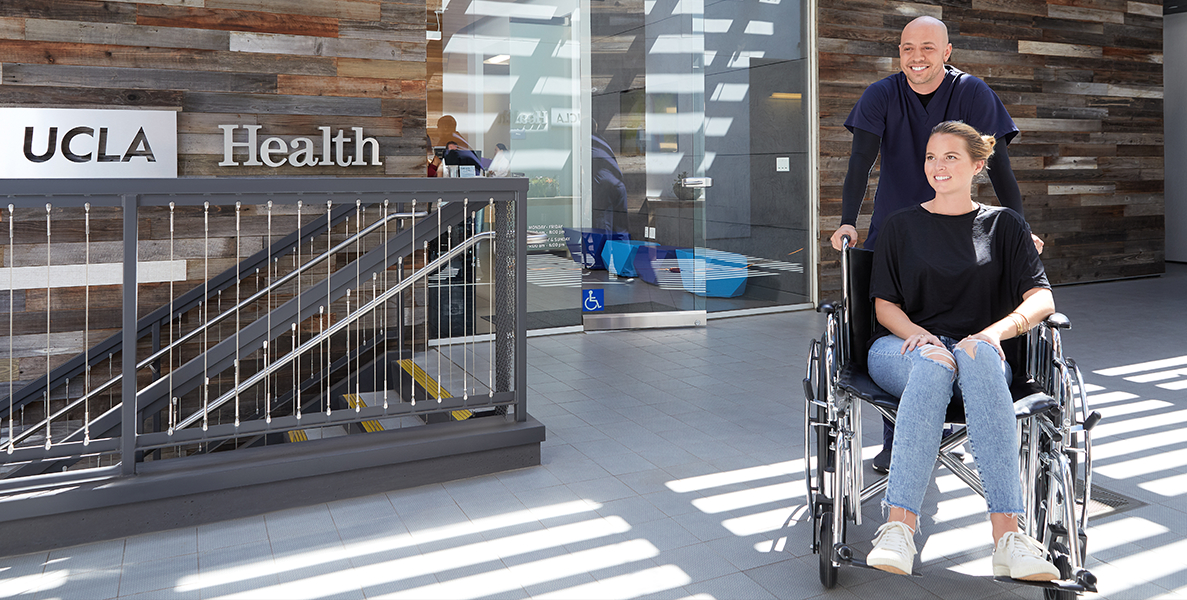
(543, 187)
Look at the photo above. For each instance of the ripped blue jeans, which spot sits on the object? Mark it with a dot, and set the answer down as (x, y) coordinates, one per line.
(924, 386)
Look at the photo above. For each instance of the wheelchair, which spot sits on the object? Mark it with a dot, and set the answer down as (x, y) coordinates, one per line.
(1054, 426)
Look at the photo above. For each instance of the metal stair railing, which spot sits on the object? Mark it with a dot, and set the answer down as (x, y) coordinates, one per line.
(151, 399)
(316, 341)
(219, 318)
(32, 391)
(222, 356)
(118, 424)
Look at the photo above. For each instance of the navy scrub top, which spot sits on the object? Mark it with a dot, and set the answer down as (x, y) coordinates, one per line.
(890, 109)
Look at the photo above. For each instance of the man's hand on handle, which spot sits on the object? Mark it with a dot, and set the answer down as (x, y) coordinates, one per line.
(841, 232)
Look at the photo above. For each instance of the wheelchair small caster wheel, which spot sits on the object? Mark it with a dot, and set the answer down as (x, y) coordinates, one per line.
(828, 571)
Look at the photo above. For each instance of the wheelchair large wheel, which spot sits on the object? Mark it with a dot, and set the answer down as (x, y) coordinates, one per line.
(818, 441)
(828, 571)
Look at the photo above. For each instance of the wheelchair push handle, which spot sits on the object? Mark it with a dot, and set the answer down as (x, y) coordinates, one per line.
(1058, 321)
(830, 306)
(846, 243)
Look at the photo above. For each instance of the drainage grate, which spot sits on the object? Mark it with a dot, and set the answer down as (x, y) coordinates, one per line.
(1105, 502)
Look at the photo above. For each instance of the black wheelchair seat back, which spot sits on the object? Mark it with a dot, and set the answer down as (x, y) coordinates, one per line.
(860, 307)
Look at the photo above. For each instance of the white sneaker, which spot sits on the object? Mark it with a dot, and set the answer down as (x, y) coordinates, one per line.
(894, 549)
(1020, 556)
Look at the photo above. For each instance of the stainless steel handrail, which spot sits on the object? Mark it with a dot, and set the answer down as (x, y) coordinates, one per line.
(103, 387)
(436, 264)
(283, 280)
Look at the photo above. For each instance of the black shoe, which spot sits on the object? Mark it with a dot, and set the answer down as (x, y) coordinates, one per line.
(882, 461)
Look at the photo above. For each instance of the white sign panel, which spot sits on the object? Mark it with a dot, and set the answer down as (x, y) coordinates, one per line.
(66, 143)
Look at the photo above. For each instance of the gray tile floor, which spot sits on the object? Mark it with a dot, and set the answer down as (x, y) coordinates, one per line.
(673, 468)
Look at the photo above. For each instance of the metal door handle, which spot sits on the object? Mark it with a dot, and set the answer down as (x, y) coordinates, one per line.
(697, 182)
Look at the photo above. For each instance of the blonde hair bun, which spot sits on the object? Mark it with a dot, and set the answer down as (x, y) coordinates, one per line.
(980, 146)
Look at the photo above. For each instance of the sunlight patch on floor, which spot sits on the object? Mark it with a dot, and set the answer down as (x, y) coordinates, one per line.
(766, 521)
(428, 563)
(724, 478)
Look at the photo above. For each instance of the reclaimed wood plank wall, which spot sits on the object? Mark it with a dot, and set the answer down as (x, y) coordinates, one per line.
(286, 65)
(1083, 81)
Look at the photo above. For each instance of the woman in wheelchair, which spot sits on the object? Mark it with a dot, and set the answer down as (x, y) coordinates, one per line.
(952, 279)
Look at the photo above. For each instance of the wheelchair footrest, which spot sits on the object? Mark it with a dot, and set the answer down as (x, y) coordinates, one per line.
(1086, 582)
(844, 555)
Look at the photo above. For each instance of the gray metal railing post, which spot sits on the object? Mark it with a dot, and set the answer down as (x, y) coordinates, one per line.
(128, 410)
(521, 315)
(505, 311)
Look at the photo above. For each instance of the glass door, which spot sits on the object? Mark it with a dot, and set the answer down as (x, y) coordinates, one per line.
(643, 255)
(699, 195)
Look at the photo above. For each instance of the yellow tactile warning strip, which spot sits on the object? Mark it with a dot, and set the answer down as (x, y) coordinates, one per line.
(429, 384)
(423, 379)
(298, 436)
(356, 402)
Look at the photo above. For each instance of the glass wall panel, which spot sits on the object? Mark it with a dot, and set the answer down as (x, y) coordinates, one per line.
(510, 79)
(665, 142)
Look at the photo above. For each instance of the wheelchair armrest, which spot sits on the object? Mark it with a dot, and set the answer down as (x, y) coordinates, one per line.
(1058, 321)
(828, 307)
(1034, 404)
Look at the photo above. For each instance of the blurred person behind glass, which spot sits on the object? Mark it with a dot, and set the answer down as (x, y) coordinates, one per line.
(500, 164)
(447, 132)
(609, 210)
(434, 161)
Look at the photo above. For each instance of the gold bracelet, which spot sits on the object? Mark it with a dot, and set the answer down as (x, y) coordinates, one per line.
(1021, 323)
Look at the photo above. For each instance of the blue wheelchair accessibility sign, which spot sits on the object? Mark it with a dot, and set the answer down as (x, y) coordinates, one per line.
(593, 300)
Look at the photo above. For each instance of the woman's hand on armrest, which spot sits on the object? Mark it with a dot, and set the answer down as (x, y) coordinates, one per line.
(892, 317)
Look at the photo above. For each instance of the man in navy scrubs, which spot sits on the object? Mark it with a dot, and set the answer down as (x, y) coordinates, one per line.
(895, 116)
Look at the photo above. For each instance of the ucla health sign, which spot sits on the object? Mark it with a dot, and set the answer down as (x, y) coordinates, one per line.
(62, 143)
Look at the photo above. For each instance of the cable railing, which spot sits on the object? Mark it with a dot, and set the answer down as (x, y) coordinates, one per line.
(283, 348)
(176, 307)
(353, 319)
(204, 326)
(51, 426)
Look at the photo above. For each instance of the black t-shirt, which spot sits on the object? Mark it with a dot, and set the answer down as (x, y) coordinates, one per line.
(955, 275)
